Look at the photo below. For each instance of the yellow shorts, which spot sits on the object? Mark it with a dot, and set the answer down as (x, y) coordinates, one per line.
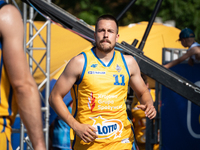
(5, 134)
(5, 144)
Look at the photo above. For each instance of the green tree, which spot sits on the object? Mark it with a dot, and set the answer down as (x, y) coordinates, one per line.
(185, 13)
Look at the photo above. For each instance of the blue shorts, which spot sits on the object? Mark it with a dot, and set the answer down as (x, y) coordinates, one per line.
(61, 134)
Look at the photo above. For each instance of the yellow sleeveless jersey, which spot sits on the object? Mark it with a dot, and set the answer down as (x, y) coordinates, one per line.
(8, 106)
(99, 100)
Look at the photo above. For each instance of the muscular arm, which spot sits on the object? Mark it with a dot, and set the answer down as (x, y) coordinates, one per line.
(63, 85)
(181, 59)
(24, 86)
(139, 87)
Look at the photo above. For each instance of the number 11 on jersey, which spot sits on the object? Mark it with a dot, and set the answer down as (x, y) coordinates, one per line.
(117, 79)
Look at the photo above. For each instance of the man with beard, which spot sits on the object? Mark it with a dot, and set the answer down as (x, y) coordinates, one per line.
(98, 79)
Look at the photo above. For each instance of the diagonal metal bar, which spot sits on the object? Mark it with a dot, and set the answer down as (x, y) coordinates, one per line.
(31, 40)
(36, 63)
(39, 63)
(39, 34)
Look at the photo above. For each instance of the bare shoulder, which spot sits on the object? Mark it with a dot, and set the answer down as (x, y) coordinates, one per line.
(130, 60)
(72, 72)
(132, 64)
(10, 18)
(75, 65)
(9, 13)
(78, 60)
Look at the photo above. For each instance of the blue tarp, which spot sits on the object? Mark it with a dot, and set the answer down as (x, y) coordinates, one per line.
(180, 118)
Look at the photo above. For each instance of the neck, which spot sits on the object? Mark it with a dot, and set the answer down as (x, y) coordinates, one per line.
(104, 56)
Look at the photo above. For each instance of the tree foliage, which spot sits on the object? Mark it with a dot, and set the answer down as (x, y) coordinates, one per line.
(186, 13)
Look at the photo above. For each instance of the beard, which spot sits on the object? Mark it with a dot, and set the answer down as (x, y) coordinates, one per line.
(104, 47)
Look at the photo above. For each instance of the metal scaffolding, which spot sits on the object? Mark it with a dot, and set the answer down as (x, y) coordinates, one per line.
(29, 15)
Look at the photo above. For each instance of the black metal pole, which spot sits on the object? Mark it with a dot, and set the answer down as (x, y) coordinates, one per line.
(125, 10)
(149, 67)
(142, 43)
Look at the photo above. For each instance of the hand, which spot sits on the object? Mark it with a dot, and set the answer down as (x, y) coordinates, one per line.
(86, 132)
(191, 62)
(150, 110)
(166, 66)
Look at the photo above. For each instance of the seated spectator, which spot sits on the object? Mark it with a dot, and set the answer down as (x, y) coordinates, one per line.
(186, 37)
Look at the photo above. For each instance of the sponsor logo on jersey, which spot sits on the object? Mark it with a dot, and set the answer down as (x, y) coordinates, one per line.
(107, 96)
(107, 128)
(109, 108)
(91, 102)
(103, 103)
(118, 68)
(97, 72)
(94, 65)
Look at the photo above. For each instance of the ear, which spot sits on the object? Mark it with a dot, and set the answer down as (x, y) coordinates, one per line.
(147, 85)
(117, 37)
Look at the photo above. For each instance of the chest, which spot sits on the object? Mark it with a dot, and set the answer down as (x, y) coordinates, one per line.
(114, 75)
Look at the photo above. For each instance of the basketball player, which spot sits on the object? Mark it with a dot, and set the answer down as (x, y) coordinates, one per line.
(98, 80)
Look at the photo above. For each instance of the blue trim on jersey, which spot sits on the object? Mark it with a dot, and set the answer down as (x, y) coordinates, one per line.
(7, 144)
(75, 113)
(118, 48)
(1, 65)
(131, 124)
(134, 146)
(108, 65)
(132, 127)
(125, 65)
(111, 60)
(84, 68)
(10, 101)
(76, 97)
(2, 2)
(74, 141)
(135, 58)
(134, 142)
(4, 125)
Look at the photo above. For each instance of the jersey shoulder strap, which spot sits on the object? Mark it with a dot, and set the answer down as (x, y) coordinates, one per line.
(2, 3)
